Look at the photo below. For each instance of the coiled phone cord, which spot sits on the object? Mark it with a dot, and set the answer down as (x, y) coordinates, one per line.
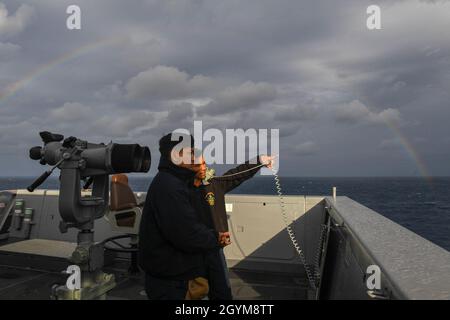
(291, 232)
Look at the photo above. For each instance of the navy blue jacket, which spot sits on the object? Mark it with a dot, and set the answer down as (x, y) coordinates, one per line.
(173, 239)
(210, 200)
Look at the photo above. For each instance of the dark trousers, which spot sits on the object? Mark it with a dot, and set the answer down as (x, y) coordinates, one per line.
(217, 273)
(163, 289)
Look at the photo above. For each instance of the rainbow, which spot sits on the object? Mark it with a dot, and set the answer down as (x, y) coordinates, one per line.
(411, 150)
(12, 88)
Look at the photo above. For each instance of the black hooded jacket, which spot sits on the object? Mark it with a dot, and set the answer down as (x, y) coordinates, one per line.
(172, 237)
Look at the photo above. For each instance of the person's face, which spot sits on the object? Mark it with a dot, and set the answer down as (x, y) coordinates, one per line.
(185, 158)
(200, 169)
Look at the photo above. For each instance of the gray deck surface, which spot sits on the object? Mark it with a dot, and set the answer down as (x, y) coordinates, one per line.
(21, 283)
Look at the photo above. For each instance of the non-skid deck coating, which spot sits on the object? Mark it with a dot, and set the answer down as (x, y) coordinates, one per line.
(42, 247)
(27, 284)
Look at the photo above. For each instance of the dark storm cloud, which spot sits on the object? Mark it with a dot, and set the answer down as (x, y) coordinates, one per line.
(296, 114)
(305, 149)
(357, 113)
(13, 24)
(311, 69)
(165, 83)
(249, 95)
(179, 115)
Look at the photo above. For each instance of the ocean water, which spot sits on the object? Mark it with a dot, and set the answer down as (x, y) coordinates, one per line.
(414, 203)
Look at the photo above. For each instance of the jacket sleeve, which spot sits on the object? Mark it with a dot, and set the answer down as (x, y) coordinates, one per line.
(229, 183)
(180, 225)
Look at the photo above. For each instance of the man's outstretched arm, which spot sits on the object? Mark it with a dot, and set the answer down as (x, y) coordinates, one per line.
(241, 173)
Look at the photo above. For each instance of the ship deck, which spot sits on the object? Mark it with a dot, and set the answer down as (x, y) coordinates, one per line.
(19, 283)
(262, 261)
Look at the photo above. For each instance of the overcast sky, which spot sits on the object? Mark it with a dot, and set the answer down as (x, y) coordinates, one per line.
(348, 101)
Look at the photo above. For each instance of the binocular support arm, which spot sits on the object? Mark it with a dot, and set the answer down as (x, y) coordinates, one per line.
(47, 173)
(43, 177)
(78, 211)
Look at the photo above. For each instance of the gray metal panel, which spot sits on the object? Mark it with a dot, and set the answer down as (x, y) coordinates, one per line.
(259, 237)
(344, 271)
(35, 201)
(417, 268)
(313, 218)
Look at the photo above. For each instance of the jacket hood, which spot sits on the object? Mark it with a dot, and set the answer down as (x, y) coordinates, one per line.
(180, 172)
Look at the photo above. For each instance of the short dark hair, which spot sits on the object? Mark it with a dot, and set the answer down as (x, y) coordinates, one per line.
(166, 144)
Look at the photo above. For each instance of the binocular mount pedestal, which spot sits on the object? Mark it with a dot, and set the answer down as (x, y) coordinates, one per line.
(87, 281)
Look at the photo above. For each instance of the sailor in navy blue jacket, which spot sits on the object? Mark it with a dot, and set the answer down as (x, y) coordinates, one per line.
(173, 239)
